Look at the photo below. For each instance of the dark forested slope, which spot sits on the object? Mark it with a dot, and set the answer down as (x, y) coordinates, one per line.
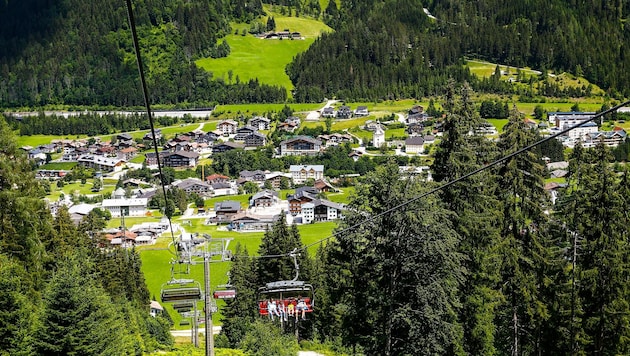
(392, 48)
(80, 52)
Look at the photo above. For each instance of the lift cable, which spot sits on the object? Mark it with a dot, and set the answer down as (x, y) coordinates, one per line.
(448, 184)
(145, 93)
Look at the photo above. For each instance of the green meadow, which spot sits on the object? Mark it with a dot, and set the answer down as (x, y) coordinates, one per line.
(252, 109)
(486, 69)
(252, 57)
(37, 140)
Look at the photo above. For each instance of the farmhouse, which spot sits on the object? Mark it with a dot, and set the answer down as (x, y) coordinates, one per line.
(264, 198)
(217, 178)
(299, 198)
(227, 127)
(100, 163)
(260, 123)
(255, 139)
(226, 209)
(328, 112)
(181, 159)
(414, 144)
(344, 112)
(226, 146)
(361, 111)
(194, 185)
(243, 132)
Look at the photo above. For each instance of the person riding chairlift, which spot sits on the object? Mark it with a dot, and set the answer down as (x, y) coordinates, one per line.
(301, 306)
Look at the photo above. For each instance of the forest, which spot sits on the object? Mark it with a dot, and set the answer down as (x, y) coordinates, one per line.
(61, 293)
(486, 266)
(392, 49)
(80, 53)
(380, 49)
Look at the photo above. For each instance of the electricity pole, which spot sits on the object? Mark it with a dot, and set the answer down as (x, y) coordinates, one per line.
(207, 306)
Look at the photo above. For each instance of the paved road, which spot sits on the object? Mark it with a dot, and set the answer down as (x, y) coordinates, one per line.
(202, 113)
(202, 330)
(314, 115)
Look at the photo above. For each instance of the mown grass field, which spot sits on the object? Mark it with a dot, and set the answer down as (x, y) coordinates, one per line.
(486, 69)
(59, 165)
(251, 57)
(37, 140)
(76, 188)
(498, 123)
(252, 109)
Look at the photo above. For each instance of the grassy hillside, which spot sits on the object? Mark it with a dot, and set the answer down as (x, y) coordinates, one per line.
(252, 57)
(486, 69)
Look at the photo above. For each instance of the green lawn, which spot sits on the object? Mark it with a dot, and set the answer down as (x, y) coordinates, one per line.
(486, 69)
(59, 165)
(398, 133)
(250, 109)
(251, 57)
(343, 196)
(76, 188)
(498, 123)
(37, 140)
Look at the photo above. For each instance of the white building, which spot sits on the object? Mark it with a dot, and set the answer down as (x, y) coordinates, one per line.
(414, 144)
(565, 120)
(321, 210)
(128, 207)
(300, 174)
(378, 137)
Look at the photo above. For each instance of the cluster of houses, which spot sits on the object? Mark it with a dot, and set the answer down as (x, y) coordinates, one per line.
(344, 112)
(417, 139)
(305, 206)
(282, 35)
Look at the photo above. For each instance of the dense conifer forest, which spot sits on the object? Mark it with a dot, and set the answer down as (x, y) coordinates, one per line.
(392, 49)
(80, 53)
(61, 294)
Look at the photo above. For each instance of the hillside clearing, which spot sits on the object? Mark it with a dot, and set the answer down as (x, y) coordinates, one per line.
(251, 57)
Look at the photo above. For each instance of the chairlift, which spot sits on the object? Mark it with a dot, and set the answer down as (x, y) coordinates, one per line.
(183, 307)
(225, 291)
(181, 290)
(287, 292)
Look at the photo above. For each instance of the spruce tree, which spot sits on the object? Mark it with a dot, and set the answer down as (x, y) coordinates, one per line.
(281, 239)
(77, 317)
(523, 244)
(477, 217)
(393, 282)
(605, 260)
(240, 312)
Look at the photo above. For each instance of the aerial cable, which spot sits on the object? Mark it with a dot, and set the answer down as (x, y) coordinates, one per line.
(145, 93)
(448, 184)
